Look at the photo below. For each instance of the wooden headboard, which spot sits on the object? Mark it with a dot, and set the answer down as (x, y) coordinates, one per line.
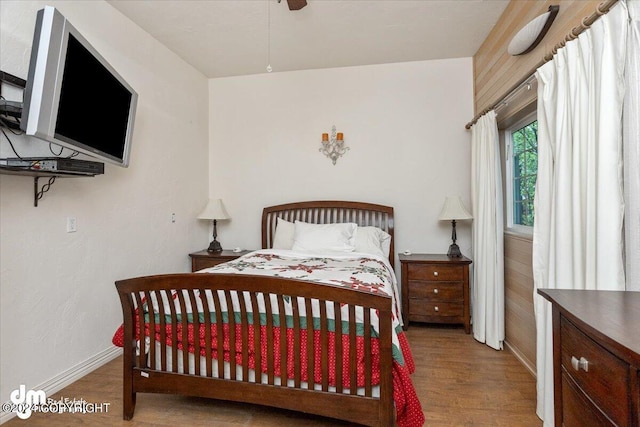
(328, 212)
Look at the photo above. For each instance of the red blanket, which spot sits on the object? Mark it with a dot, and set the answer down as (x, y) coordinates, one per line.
(408, 410)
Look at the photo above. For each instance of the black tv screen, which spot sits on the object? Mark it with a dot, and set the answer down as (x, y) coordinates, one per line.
(94, 108)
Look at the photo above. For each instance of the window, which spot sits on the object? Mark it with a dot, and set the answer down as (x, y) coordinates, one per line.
(522, 169)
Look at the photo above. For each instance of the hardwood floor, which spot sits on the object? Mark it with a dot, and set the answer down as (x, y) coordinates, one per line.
(459, 381)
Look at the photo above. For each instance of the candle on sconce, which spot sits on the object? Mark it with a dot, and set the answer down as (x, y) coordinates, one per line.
(333, 146)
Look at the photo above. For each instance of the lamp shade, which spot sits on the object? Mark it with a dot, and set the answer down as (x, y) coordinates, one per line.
(454, 209)
(214, 210)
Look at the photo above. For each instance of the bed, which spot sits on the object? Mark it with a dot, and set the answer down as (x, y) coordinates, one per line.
(242, 335)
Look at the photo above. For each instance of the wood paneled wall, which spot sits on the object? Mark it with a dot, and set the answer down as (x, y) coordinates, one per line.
(495, 71)
(495, 74)
(520, 323)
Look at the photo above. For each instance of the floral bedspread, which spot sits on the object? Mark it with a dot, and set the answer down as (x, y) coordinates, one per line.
(368, 273)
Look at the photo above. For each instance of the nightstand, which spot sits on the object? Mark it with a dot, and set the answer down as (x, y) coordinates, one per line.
(435, 289)
(204, 259)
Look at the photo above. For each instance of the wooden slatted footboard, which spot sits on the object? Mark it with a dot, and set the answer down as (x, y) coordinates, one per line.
(155, 367)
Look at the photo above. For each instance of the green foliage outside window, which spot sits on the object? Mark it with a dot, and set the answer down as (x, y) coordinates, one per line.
(525, 168)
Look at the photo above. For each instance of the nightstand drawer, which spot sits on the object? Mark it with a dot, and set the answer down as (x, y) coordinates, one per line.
(204, 259)
(419, 308)
(200, 263)
(435, 272)
(436, 290)
(596, 380)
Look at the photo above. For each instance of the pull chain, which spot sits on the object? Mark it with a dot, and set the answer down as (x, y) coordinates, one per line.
(269, 69)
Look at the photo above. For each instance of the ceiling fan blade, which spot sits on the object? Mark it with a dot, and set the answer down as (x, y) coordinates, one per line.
(296, 4)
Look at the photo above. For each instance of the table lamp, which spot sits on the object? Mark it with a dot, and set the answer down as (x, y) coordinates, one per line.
(214, 210)
(453, 210)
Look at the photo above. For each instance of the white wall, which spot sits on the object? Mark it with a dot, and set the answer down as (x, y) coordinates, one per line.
(404, 124)
(58, 304)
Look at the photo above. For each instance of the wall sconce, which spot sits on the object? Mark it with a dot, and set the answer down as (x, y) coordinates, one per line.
(333, 147)
(532, 34)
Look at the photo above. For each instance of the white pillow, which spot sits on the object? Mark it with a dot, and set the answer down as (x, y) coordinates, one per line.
(283, 238)
(324, 237)
(372, 240)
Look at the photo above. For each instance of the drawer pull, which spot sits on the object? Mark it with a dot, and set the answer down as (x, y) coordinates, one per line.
(435, 291)
(435, 273)
(436, 308)
(580, 364)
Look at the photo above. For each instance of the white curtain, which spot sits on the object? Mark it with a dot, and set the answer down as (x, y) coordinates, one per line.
(631, 137)
(579, 205)
(488, 245)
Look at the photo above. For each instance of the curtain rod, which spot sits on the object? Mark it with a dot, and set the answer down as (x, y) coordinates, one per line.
(602, 9)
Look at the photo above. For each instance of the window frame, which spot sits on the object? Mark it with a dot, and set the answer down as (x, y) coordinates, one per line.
(509, 175)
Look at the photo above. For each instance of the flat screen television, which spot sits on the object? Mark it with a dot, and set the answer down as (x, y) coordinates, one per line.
(73, 97)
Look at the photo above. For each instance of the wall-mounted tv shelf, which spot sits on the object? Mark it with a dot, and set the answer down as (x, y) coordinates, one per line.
(39, 192)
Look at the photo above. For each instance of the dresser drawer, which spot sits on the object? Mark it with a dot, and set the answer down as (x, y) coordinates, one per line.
(435, 272)
(440, 291)
(438, 311)
(612, 397)
(577, 409)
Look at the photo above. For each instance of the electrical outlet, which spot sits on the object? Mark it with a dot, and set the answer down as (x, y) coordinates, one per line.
(71, 224)
(173, 217)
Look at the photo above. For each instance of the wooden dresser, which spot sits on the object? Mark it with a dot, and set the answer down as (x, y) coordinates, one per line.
(596, 352)
(435, 289)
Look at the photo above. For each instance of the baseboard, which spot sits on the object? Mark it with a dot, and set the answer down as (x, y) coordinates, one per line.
(71, 375)
(525, 362)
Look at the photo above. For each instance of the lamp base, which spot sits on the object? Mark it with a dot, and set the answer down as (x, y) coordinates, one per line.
(214, 246)
(454, 251)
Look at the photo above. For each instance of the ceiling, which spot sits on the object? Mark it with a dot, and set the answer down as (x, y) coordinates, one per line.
(231, 37)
